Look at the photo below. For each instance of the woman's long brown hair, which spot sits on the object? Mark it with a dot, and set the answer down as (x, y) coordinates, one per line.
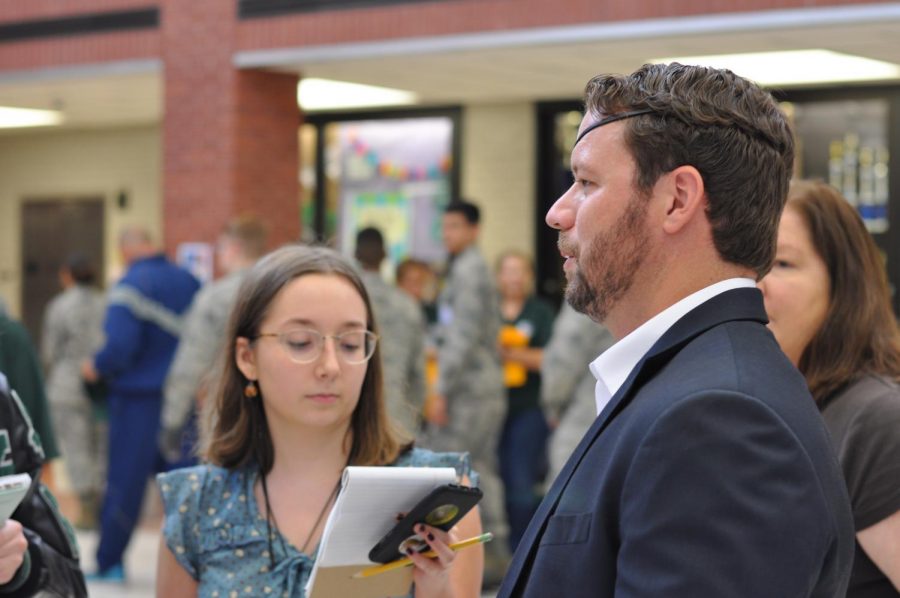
(859, 334)
(235, 431)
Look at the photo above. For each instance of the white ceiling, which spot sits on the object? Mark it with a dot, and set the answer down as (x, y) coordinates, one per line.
(89, 99)
(530, 65)
(561, 70)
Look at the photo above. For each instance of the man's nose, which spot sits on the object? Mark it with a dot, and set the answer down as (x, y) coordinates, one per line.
(561, 215)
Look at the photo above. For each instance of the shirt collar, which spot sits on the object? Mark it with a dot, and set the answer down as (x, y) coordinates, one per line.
(613, 366)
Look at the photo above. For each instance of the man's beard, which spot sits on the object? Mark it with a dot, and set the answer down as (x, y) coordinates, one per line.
(606, 271)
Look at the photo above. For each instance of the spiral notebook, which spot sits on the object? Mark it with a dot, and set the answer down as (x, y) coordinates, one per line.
(365, 510)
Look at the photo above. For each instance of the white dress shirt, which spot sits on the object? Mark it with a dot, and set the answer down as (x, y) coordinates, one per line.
(614, 365)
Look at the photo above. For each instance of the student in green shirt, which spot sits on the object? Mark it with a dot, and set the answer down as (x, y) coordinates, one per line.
(527, 325)
(19, 361)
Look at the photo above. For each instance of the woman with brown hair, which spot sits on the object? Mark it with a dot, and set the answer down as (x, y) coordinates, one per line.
(829, 308)
(522, 450)
(299, 397)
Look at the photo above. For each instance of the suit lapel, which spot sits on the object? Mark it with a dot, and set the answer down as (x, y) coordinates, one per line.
(733, 305)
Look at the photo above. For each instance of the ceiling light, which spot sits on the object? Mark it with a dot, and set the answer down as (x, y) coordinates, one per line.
(11, 118)
(796, 67)
(326, 94)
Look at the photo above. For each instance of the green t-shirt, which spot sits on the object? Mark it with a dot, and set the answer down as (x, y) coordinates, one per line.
(535, 322)
(19, 362)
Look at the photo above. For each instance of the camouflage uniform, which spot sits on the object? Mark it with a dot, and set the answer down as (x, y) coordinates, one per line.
(198, 349)
(401, 330)
(470, 377)
(73, 332)
(568, 385)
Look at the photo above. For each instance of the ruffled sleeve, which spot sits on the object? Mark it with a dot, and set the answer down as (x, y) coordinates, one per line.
(182, 491)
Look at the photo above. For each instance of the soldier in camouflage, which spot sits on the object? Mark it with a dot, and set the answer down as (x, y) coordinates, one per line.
(467, 411)
(73, 332)
(240, 245)
(567, 392)
(401, 332)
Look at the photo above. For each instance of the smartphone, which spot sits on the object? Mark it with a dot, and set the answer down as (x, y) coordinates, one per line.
(442, 508)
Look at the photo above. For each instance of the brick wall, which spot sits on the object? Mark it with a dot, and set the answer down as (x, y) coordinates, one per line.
(51, 52)
(29, 10)
(465, 16)
(267, 151)
(229, 137)
(77, 50)
(395, 21)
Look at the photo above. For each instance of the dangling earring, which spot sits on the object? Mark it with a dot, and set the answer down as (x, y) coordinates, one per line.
(250, 390)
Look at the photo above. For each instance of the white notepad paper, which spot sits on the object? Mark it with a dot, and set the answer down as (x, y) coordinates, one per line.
(13, 489)
(365, 510)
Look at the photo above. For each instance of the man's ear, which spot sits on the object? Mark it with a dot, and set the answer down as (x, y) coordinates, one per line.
(245, 358)
(685, 198)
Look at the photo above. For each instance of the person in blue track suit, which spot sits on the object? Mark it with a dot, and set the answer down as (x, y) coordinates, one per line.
(142, 324)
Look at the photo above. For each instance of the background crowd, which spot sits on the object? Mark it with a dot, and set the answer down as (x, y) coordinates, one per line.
(476, 367)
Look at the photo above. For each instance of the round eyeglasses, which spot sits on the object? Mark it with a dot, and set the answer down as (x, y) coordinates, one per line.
(304, 345)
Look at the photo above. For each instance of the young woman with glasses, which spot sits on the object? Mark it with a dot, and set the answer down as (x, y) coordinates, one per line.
(299, 397)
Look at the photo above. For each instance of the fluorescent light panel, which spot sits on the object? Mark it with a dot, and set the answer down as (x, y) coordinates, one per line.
(796, 67)
(12, 118)
(326, 94)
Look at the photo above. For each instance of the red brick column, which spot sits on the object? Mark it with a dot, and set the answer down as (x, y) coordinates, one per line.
(267, 149)
(229, 137)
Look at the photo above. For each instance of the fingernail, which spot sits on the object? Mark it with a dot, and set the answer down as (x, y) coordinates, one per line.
(431, 537)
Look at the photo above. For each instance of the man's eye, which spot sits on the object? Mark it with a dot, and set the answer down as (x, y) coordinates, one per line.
(300, 345)
(782, 264)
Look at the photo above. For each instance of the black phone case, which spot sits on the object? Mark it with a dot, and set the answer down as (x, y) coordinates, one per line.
(441, 508)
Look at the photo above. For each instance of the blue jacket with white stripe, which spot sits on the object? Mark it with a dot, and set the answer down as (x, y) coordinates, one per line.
(142, 324)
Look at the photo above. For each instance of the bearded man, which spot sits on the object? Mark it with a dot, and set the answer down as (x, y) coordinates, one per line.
(708, 470)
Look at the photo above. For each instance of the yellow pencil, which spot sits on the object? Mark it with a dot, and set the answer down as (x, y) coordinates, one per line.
(405, 561)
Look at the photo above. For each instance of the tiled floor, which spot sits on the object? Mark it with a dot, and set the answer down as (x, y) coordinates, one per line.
(140, 565)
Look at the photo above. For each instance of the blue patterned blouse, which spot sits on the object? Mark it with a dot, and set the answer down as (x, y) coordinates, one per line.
(214, 528)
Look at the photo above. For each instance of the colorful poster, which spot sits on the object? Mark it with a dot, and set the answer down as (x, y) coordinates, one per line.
(395, 175)
(388, 212)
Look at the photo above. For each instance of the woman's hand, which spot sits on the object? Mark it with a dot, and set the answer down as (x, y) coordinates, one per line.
(432, 574)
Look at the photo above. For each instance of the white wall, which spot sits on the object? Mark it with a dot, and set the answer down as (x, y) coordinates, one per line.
(90, 162)
(498, 173)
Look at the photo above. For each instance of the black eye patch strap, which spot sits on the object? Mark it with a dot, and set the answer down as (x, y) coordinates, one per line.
(611, 119)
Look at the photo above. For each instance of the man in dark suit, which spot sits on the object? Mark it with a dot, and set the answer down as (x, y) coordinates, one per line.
(708, 471)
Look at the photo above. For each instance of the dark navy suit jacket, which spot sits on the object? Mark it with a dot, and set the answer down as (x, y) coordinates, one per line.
(708, 475)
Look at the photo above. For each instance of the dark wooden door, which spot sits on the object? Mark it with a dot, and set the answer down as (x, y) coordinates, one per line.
(52, 229)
